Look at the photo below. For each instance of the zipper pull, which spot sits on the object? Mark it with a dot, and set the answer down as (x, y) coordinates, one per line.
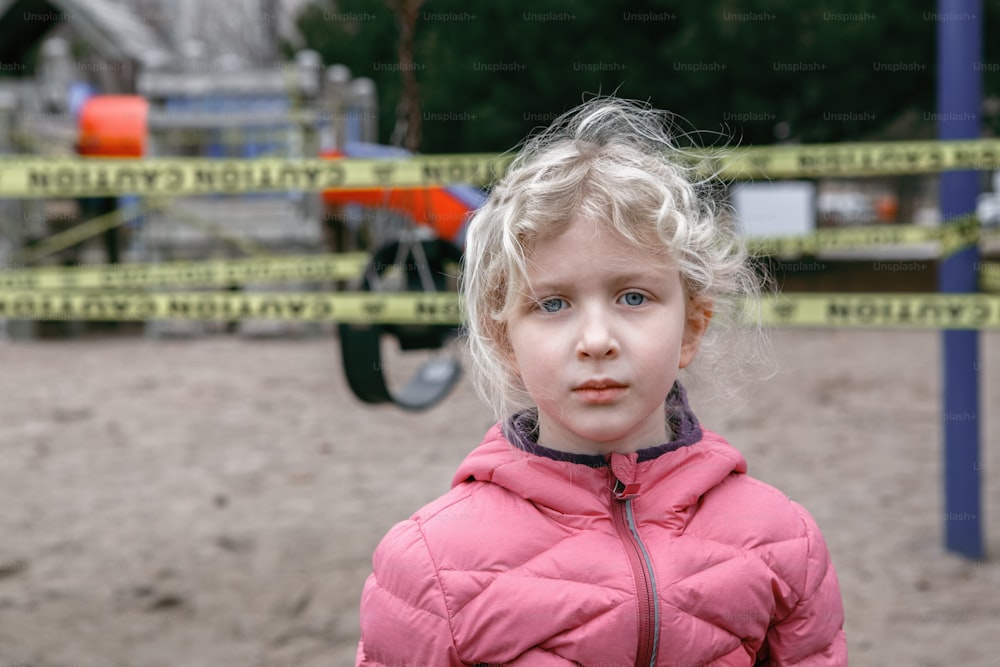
(623, 491)
(623, 469)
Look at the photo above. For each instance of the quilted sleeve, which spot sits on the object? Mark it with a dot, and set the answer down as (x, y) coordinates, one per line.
(812, 634)
(404, 620)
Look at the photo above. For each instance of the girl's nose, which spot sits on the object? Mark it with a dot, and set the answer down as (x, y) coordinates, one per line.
(596, 339)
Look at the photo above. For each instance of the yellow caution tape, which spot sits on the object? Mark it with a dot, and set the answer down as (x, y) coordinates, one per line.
(90, 228)
(348, 307)
(989, 276)
(327, 267)
(70, 237)
(924, 311)
(30, 176)
(952, 236)
(26, 176)
(856, 159)
(214, 272)
(342, 267)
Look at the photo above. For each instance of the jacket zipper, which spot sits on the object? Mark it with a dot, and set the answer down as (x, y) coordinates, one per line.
(642, 569)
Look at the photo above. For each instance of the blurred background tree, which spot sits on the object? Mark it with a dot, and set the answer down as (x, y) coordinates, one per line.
(759, 72)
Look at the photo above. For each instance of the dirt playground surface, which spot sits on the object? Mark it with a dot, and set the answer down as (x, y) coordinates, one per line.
(216, 501)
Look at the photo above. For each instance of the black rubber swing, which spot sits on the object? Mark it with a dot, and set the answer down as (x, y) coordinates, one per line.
(424, 265)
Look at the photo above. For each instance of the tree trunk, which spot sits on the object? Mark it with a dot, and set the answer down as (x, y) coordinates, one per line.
(407, 131)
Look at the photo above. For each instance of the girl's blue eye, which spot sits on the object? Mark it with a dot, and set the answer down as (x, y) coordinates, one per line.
(634, 299)
(552, 305)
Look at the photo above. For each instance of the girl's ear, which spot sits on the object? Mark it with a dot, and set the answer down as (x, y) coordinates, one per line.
(699, 314)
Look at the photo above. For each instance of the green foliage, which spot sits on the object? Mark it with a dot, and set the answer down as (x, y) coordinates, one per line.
(755, 71)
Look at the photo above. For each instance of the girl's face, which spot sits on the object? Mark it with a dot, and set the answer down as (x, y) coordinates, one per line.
(599, 339)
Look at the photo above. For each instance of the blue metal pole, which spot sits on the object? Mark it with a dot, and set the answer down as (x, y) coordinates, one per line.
(959, 93)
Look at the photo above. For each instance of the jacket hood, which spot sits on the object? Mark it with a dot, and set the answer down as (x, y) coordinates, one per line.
(673, 475)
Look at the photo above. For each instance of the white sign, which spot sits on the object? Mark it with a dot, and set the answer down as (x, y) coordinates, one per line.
(784, 208)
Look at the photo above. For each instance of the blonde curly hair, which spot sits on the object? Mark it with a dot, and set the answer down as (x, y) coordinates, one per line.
(611, 160)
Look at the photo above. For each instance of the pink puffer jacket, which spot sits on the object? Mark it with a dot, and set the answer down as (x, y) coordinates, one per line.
(669, 556)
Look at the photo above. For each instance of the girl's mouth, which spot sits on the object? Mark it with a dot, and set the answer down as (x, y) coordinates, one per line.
(600, 391)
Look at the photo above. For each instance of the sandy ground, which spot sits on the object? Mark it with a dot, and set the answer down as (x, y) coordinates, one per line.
(216, 501)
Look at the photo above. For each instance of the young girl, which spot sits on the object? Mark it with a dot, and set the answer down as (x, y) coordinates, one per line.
(599, 523)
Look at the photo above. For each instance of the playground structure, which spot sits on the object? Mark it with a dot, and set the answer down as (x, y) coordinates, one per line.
(166, 103)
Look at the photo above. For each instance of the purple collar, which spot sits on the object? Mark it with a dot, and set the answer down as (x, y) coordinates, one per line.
(522, 432)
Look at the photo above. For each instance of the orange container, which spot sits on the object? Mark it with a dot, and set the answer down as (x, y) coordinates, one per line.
(113, 126)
